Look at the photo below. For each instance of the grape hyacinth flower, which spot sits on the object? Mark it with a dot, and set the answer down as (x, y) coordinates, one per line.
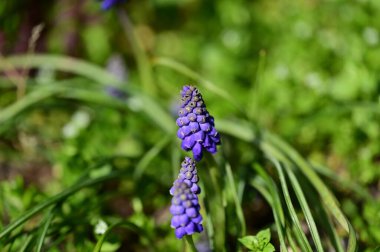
(196, 126)
(116, 92)
(108, 4)
(185, 208)
(188, 175)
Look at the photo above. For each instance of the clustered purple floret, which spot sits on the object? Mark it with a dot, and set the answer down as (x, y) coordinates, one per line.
(196, 125)
(185, 210)
(197, 132)
(116, 92)
(188, 175)
(107, 4)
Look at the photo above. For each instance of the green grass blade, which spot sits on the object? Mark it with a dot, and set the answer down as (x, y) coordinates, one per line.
(233, 189)
(43, 230)
(258, 185)
(27, 244)
(325, 193)
(297, 225)
(321, 214)
(57, 198)
(352, 243)
(90, 71)
(327, 197)
(157, 113)
(149, 155)
(272, 144)
(239, 129)
(184, 70)
(273, 191)
(344, 183)
(306, 210)
(143, 63)
(276, 205)
(30, 99)
(61, 63)
(291, 240)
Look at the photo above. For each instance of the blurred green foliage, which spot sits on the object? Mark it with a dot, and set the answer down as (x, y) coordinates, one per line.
(308, 71)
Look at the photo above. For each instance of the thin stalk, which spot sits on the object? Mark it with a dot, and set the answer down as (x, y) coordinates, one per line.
(190, 243)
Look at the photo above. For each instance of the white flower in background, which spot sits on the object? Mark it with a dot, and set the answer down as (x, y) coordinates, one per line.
(302, 30)
(281, 72)
(314, 81)
(371, 36)
(80, 120)
(100, 227)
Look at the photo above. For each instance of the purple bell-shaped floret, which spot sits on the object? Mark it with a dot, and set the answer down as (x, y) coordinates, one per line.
(185, 208)
(196, 126)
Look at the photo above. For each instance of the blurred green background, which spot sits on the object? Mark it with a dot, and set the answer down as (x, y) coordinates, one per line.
(308, 71)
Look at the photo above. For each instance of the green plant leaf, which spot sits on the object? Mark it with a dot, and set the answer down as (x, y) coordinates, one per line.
(259, 242)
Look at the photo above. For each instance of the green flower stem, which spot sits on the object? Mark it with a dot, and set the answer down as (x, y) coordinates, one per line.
(190, 243)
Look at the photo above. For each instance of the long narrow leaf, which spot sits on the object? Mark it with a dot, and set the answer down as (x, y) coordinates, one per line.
(257, 184)
(149, 155)
(297, 225)
(326, 196)
(239, 210)
(44, 228)
(306, 210)
(179, 67)
(61, 63)
(276, 205)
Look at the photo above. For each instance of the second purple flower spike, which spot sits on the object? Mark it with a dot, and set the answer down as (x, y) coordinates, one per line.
(196, 125)
(185, 208)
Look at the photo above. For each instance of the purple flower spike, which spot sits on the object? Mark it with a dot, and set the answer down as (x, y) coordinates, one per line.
(185, 208)
(188, 175)
(196, 124)
(108, 4)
